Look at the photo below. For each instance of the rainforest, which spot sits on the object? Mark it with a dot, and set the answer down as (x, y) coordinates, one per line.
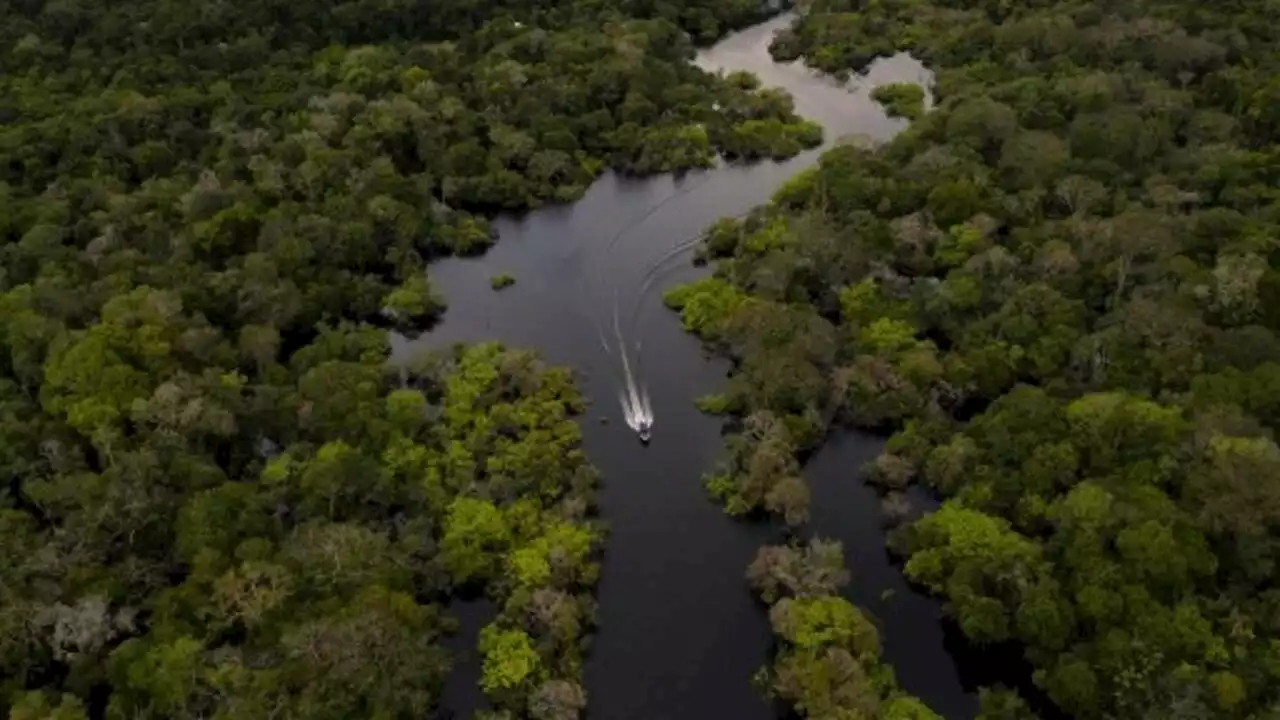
(272, 446)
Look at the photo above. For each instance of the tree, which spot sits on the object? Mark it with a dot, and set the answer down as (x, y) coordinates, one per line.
(901, 99)
(1235, 497)
(814, 569)
(509, 659)
(473, 531)
(557, 700)
(980, 563)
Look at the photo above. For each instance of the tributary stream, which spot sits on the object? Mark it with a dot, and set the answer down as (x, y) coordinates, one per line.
(680, 635)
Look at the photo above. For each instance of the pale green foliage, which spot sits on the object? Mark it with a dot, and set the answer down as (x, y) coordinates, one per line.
(814, 622)
(406, 410)
(957, 545)
(887, 337)
(559, 554)
(959, 244)
(473, 531)
(774, 236)
(510, 659)
(863, 303)
(797, 189)
(901, 99)
(414, 300)
(704, 305)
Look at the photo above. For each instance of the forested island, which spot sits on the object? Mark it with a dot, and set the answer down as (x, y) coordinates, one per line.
(1058, 291)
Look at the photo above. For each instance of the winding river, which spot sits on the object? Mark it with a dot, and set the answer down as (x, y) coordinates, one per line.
(680, 635)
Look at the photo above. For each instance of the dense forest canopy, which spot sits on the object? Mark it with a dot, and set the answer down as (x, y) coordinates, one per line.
(216, 499)
(1060, 289)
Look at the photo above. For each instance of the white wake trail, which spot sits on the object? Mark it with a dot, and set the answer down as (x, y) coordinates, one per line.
(636, 408)
(646, 410)
(634, 400)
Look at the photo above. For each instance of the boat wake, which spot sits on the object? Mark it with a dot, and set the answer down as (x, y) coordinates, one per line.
(636, 409)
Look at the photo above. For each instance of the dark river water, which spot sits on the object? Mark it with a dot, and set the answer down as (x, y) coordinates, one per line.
(680, 635)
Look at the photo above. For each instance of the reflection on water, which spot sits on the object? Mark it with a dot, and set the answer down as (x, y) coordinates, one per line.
(680, 635)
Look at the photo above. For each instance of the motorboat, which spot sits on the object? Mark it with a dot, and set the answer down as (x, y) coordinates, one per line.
(645, 431)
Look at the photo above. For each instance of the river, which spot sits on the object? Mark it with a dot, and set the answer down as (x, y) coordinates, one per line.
(680, 635)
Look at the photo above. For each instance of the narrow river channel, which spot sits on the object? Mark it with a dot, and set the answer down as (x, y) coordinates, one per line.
(680, 635)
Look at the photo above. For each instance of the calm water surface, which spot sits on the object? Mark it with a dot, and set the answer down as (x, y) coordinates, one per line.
(680, 635)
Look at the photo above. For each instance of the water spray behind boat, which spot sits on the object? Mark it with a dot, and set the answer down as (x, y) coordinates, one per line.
(636, 409)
